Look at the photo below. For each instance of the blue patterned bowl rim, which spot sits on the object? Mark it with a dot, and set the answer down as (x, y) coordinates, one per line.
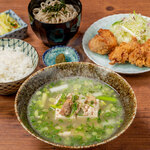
(24, 25)
(33, 69)
(54, 47)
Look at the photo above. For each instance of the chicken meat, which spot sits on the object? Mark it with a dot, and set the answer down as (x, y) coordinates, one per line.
(141, 57)
(103, 43)
(121, 53)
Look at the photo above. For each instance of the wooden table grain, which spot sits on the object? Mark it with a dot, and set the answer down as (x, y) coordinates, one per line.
(137, 137)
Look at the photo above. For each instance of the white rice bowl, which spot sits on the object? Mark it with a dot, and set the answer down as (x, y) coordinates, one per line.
(14, 64)
(18, 60)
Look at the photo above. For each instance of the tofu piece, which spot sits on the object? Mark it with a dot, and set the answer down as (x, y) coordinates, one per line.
(89, 111)
(59, 116)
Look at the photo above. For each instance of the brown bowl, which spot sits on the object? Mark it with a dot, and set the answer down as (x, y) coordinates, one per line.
(62, 70)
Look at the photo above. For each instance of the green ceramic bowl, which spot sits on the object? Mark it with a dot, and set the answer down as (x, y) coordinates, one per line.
(62, 70)
(7, 88)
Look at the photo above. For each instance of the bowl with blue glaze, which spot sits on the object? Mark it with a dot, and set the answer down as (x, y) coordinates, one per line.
(49, 57)
(55, 34)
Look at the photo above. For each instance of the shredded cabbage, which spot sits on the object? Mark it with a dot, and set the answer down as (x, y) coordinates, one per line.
(134, 25)
(7, 23)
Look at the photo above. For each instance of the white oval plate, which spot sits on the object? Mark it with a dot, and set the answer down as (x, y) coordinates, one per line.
(103, 60)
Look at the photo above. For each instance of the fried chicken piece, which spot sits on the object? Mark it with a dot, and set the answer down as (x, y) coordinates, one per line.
(103, 42)
(141, 57)
(146, 47)
(98, 45)
(147, 62)
(108, 37)
(121, 53)
(136, 57)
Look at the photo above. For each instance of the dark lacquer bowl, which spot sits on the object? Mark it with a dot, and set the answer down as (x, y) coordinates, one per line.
(62, 70)
(55, 34)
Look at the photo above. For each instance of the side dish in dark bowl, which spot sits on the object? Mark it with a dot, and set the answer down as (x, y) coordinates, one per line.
(55, 22)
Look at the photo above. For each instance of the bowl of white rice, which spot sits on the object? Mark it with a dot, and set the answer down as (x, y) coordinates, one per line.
(18, 60)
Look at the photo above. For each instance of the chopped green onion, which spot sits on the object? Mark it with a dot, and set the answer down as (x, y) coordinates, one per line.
(98, 118)
(107, 98)
(55, 106)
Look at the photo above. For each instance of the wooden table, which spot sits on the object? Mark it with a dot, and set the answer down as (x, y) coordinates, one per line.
(137, 137)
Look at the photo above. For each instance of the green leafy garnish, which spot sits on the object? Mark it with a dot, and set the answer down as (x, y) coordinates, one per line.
(69, 127)
(13, 24)
(88, 119)
(60, 120)
(92, 102)
(80, 128)
(55, 106)
(56, 8)
(74, 108)
(61, 100)
(74, 98)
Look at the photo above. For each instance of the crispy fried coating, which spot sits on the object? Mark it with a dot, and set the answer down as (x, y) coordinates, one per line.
(146, 45)
(98, 45)
(147, 61)
(146, 48)
(108, 37)
(135, 53)
(121, 53)
(141, 57)
(136, 57)
(103, 42)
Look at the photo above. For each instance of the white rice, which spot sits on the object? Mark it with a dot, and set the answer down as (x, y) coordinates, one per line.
(14, 64)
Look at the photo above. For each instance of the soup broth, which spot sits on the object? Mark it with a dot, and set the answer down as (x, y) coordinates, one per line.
(75, 111)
